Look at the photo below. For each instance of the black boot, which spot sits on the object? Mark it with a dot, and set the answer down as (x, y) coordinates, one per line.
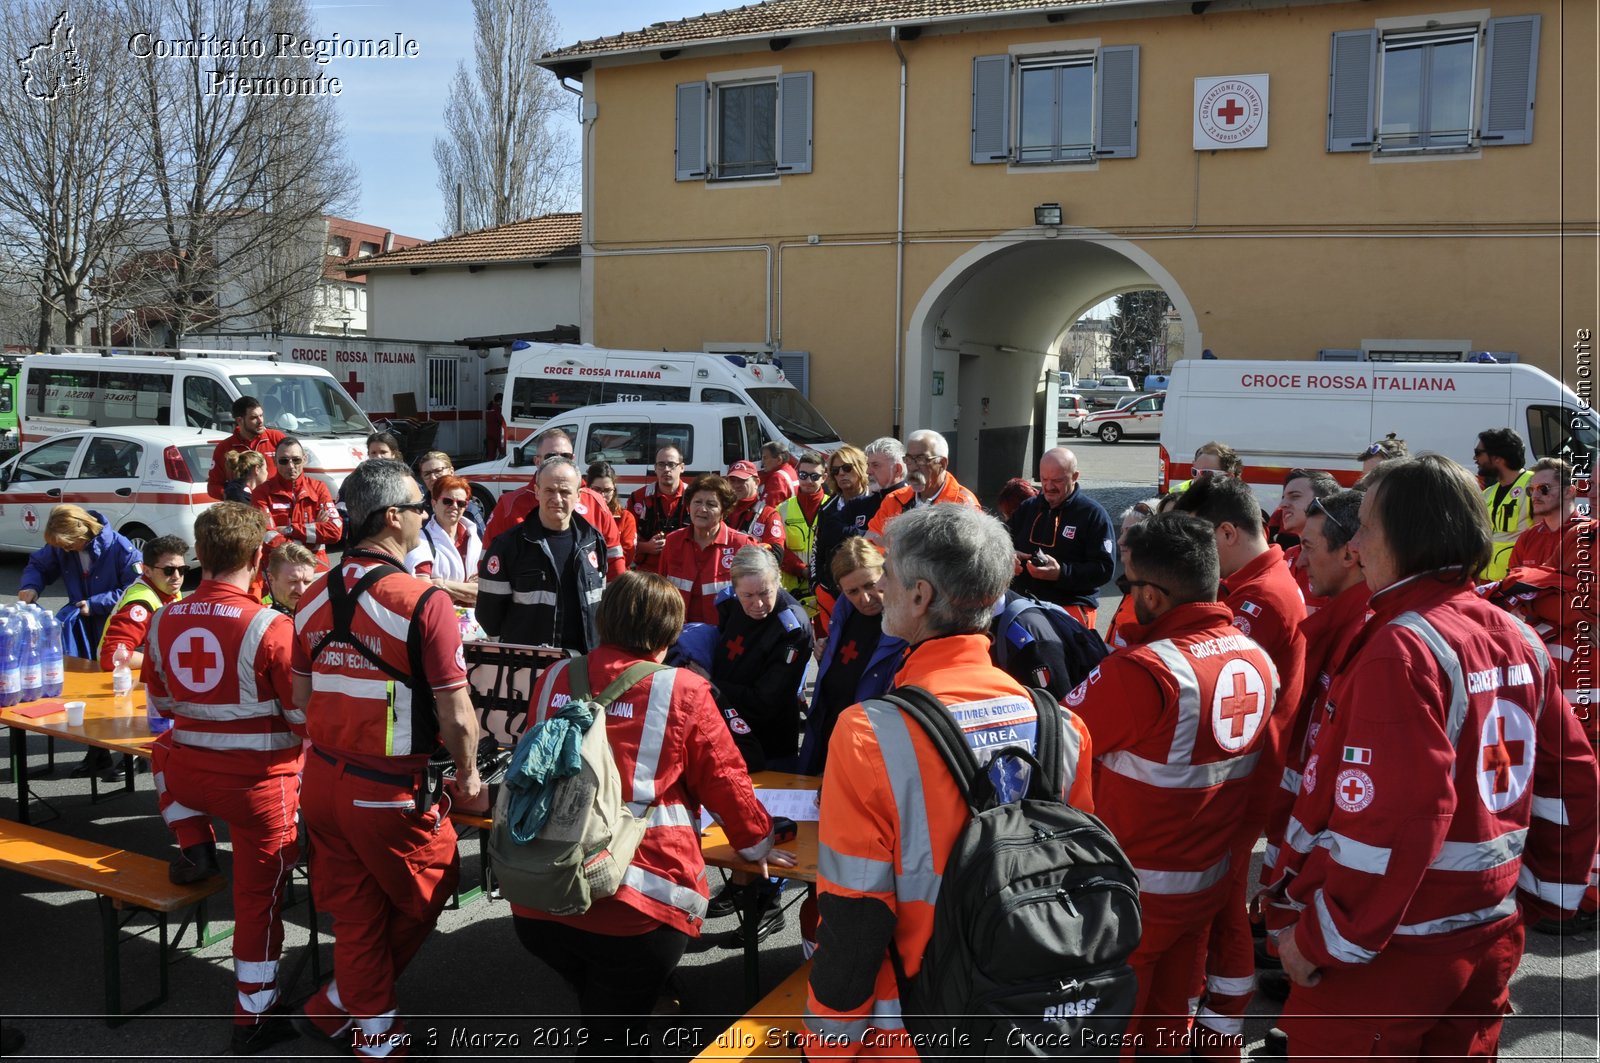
(94, 761)
(195, 864)
(271, 1029)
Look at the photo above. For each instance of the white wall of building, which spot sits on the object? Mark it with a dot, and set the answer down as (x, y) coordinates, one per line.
(448, 303)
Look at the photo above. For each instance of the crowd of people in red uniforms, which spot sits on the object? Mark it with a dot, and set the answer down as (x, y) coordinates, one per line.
(1409, 739)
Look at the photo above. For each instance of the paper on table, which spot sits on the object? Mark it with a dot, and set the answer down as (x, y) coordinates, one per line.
(40, 708)
(802, 806)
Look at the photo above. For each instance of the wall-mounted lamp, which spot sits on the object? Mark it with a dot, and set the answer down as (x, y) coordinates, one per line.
(1047, 214)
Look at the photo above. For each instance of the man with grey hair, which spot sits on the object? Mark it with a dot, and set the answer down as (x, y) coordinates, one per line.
(513, 509)
(378, 671)
(539, 584)
(879, 866)
(929, 481)
(886, 473)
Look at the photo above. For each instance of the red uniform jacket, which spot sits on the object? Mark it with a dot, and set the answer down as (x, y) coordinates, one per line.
(778, 485)
(1451, 775)
(265, 444)
(128, 627)
(302, 511)
(674, 755)
(1548, 547)
(656, 512)
(513, 509)
(1179, 720)
(218, 664)
(1302, 580)
(758, 520)
(701, 574)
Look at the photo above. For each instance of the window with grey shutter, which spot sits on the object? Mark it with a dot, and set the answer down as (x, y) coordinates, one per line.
(690, 151)
(1511, 65)
(1117, 77)
(796, 367)
(794, 123)
(1352, 73)
(991, 108)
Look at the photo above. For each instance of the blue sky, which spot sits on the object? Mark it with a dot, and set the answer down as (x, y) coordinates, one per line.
(393, 108)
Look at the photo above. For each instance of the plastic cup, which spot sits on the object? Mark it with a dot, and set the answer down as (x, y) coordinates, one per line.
(75, 713)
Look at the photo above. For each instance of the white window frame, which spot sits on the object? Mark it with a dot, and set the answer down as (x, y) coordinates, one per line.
(715, 83)
(1395, 40)
(1052, 61)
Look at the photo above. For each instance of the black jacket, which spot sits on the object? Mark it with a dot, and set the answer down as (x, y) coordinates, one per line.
(756, 670)
(1076, 533)
(523, 600)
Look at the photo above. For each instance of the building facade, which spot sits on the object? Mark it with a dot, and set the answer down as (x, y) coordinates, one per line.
(873, 183)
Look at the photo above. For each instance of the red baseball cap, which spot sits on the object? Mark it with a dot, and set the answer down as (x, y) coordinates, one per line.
(744, 468)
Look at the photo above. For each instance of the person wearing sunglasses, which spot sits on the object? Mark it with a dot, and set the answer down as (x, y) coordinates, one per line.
(1555, 518)
(799, 515)
(1390, 448)
(160, 581)
(513, 508)
(1500, 456)
(847, 483)
(1453, 800)
(449, 550)
(299, 508)
(1173, 794)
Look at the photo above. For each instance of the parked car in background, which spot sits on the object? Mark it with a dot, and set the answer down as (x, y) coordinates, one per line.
(1138, 417)
(147, 482)
(1073, 410)
(1108, 391)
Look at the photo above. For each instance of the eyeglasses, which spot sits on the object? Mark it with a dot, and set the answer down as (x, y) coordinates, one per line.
(809, 477)
(172, 571)
(414, 507)
(1478, 452)
(921, 459)
(454, 503)
(428, 474)
(1316, 506)
(554, 455)
(668, 464)
(1132, 583)
(291, 461)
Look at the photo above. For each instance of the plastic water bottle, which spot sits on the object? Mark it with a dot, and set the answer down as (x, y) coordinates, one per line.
(10, 662)
(121, 674)
(55, 668)
(32, 665)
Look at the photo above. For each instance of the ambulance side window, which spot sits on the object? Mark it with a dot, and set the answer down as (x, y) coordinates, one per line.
(675, 435)
(206, 405)
(752, 436)
(720, 395)
(1558, 432)
(536, 398)
(732, 441)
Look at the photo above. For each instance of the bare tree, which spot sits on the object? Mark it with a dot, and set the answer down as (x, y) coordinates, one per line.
(1137, 328)
(500, 148)
(246, 157)
(70, 180)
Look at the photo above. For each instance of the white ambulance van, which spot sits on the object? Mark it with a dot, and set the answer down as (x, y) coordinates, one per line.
(545, 380)
(1320, 415)
(194, 389)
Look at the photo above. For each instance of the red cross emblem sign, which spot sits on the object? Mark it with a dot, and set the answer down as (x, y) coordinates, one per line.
(198, 660)
(30, 518)
(1230, 112)
(1353, 790)
(1505, 755)
(1239, 705)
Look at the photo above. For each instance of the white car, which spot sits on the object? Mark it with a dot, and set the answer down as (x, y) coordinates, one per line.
(146, 481)
(1073, 413)
(1139, 416)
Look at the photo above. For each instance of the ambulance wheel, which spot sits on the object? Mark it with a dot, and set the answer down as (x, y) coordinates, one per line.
(484, 499)
(1110, 433)
(138, 535)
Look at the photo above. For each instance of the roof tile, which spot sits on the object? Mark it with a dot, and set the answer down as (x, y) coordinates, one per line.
(547, 236)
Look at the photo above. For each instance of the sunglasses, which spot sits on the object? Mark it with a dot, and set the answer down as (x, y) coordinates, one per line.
(291, 461)
(1132, 583)
(454, 503)
(172, 571)
(1316, 506)
(1373, 451)
(1544, 489)
(555, 454)
(809, 477)
(837, 469)
(1478, 452)
(414, 507)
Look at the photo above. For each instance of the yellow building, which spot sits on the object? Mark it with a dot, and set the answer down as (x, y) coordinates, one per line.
(873, 182)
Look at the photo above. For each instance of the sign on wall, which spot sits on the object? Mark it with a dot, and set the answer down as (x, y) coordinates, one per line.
(1230, 112)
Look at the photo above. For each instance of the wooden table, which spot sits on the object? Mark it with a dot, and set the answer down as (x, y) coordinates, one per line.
(121, 728)
(719, 852)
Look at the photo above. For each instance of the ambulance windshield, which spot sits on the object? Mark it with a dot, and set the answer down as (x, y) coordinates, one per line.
(794, 416)
(304, 405)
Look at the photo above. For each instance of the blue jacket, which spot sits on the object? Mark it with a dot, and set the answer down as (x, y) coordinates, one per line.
(114, 563)
(877, 680)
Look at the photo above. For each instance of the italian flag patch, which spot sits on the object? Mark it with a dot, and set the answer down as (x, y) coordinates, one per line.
(1357, 755)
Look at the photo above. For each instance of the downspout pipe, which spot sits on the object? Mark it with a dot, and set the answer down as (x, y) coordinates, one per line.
(900, 248)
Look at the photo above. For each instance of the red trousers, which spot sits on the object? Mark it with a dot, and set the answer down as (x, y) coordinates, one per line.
(1167, 964)
(260, 814)
(1230, 969)
(384, 873)
(1412, 1002)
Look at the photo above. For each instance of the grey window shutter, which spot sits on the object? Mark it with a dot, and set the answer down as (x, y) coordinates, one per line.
(794, 123)
(1511, 66)
(690, 150)
(1352, 89)
(991, 108)
(796, 369)
(1117, 90)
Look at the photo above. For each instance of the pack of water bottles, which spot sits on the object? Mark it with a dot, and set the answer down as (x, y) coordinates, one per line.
(32, 665)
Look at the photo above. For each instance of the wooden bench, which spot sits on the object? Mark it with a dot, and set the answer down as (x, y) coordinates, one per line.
(771, 1028)
(122, 882)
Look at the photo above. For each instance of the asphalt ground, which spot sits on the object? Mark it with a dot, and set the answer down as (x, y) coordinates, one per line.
(473, 991)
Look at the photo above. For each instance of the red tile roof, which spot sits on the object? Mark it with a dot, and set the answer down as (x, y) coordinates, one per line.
(359, 233)
(547, 236)
(776, 18)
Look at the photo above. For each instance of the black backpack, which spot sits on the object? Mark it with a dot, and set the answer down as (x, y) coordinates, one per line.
(1037, 914)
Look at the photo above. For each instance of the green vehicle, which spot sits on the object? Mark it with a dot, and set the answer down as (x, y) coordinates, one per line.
(10, 378)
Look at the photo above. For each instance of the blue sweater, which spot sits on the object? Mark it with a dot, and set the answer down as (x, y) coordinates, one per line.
(113, 565)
